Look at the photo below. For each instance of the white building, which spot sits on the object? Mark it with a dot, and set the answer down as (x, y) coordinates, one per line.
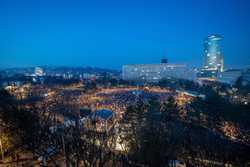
(229, 76)
(156, 72)
(39, 71)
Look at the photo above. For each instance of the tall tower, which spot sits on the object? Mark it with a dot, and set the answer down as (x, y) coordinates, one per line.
(164, 61)
(213, 57)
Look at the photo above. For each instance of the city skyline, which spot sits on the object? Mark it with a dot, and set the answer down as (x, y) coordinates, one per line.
(111, 34)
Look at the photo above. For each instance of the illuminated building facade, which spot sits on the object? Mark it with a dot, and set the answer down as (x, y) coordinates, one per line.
(39, 71)
(213, 57)
(155, 72)
(229, 76)
(246, 76)
(232, 75)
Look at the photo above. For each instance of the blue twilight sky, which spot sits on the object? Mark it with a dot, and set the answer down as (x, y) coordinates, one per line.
(109, 33)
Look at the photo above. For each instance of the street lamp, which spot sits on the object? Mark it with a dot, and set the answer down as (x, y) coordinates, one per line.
(1, 148)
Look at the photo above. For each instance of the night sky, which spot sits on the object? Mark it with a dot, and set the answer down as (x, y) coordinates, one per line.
(111, 33)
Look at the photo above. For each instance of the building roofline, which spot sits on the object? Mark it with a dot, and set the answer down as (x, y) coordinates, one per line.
(163, 64)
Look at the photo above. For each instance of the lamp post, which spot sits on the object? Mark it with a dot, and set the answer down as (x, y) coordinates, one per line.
(1, 149)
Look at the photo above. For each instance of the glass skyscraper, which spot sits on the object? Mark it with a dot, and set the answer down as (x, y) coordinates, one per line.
(213, 57)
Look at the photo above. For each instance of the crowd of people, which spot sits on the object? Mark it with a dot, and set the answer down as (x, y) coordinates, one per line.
(118, 99)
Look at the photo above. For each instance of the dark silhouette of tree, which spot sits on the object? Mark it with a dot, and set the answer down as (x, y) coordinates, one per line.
(21, 124)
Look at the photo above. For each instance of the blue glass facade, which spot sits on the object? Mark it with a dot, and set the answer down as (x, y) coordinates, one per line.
(213, 58)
